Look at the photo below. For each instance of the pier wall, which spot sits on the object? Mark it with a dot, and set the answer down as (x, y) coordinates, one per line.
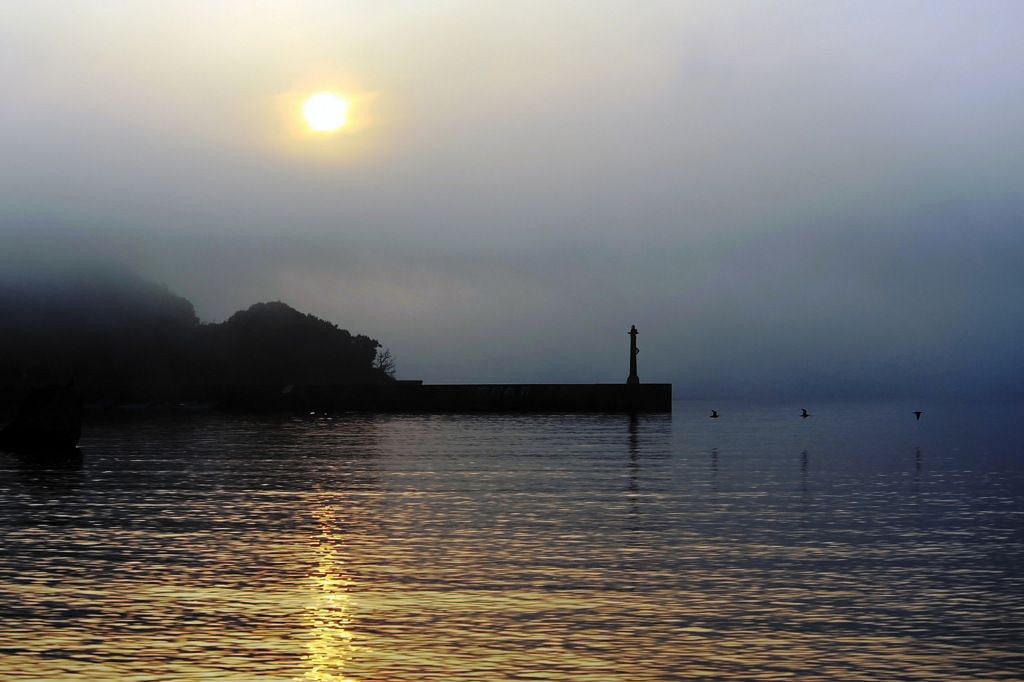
(400, 396)
(415, 397)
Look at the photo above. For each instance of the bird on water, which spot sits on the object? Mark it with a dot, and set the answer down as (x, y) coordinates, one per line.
(714, 414)
(918, 415)
(805, 415)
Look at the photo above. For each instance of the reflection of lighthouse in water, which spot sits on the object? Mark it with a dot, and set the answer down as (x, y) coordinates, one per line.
(633, 490)
(633, 350)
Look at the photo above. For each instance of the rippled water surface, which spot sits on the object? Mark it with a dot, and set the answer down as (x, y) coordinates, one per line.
(859, 543)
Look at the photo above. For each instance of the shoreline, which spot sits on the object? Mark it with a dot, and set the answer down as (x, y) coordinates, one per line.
(397, 397)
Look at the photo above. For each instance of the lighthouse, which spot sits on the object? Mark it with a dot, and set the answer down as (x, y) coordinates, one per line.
(633, 350)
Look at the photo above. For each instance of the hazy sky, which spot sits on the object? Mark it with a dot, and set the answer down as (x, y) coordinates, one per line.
(790, 198)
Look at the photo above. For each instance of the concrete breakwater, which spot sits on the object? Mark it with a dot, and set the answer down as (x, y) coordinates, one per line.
(400, 396)
(414, 396)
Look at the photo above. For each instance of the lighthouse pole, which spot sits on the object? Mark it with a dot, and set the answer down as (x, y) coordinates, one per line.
(633, 350)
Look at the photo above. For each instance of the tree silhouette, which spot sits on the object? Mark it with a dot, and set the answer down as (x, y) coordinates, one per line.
(385, 362)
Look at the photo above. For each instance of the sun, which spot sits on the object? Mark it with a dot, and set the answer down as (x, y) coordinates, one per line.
(325, 111)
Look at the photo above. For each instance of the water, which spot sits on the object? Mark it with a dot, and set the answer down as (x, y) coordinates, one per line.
(859, 543)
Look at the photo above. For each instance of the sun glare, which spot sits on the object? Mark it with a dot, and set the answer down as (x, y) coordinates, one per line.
(325, 111)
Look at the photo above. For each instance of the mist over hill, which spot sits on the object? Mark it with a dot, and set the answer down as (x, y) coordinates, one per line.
(110, 331)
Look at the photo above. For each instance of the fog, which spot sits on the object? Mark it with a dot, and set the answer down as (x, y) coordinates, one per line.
(787, 199)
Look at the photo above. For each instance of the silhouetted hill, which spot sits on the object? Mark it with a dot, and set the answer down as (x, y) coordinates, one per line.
(113, 332)
(272, 343)
(94, 325)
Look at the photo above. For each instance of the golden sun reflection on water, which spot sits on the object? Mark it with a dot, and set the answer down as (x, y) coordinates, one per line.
(328, 616)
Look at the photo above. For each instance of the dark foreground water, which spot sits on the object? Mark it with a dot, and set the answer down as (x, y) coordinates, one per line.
(856, 544)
